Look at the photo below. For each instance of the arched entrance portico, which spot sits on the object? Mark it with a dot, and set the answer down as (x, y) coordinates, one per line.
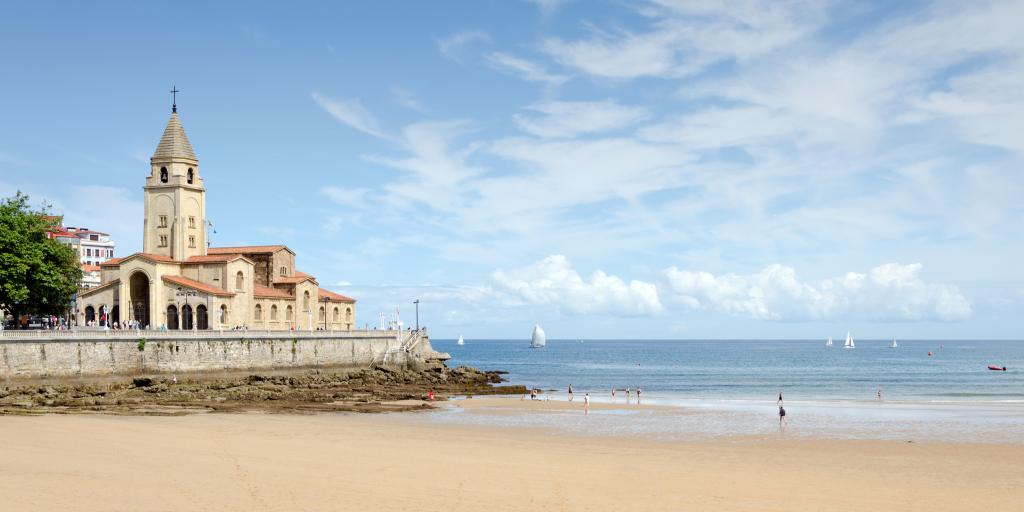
(138, 292)
(202, 318)
(186, 317)
(172, 317)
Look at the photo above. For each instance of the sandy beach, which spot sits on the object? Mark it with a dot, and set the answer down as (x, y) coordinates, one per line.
(257, 461)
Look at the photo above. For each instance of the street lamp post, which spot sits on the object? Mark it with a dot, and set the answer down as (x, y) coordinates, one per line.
(417, 303)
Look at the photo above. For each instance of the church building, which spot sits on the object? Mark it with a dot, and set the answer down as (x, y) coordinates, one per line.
(178, 282)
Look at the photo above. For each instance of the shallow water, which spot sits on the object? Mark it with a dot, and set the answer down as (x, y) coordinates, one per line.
(728, 388)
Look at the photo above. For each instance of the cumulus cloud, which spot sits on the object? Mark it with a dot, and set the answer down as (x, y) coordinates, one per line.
(889, 292)
(571, 118)
(553, 281)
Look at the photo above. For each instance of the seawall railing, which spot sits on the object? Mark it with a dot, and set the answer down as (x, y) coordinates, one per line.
(156, 334)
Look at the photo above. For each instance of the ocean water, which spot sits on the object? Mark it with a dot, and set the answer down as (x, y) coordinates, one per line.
(758, 370)
(729, 388)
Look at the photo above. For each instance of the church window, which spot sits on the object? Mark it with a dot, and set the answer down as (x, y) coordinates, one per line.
(163, 175)
(223, 314)
(191, 241)
(258, 313)
(239, 281)
(288, 313)
(191, 221)
(337, 315)
(348, 314)
(323, 314)
(191, 175)
(273, 312)
(163, 221)
(305, 301)
(163, 240)
(284, 271)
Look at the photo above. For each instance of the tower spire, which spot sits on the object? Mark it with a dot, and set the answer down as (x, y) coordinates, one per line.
(174, 99)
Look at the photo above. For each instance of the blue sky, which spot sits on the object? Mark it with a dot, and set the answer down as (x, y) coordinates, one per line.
(613, 169)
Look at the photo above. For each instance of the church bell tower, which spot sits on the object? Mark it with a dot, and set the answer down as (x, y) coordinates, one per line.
(175, 199)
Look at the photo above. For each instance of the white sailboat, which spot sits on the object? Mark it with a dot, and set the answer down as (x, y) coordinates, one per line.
(539, 340)
(849, 341)
(829, 342)
(461, 341)
(893, 344)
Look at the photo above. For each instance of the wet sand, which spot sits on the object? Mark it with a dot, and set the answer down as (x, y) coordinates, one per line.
(404, 462)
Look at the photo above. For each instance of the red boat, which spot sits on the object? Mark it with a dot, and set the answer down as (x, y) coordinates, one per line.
(996, 368)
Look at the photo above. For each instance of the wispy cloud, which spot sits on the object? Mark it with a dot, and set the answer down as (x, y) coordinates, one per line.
(524, 69)
(451, 46)
(352, 113)
(572, 118)
(408, 99)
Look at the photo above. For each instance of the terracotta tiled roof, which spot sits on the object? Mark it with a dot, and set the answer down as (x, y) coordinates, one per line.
(295, 278)
(214, 258)
(327, 296)
(91, 291)
(196, 285)
(90, 268)
(248, 249)
(263, 291)
(174, 143)
(112, 262)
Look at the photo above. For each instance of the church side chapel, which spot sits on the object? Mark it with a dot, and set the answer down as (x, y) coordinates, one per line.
(178, 282)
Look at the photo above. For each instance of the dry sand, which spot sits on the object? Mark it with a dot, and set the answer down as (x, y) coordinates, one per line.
(402, 462)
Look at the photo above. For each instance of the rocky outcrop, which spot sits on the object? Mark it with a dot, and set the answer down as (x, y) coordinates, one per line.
(366, 390)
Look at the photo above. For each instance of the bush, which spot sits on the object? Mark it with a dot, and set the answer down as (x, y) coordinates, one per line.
(142, 344)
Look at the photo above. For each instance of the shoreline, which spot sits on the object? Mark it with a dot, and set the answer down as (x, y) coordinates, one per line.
(401, 462)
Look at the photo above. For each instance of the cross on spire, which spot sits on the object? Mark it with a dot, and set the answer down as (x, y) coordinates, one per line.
(174, 99)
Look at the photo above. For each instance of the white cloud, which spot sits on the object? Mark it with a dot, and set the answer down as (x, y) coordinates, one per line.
(351, 112)
(890, 292)
(525, 69)
(450, 46)
(571, 118)
(408, 99)
(351, 197)
(553, 281)
(548, 7)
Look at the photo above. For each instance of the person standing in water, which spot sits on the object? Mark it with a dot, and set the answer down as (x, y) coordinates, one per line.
(627, 394)
(779, 402)
(586, 403)
(570, 392)
(782, 416)
(638, 391)
(879, 394)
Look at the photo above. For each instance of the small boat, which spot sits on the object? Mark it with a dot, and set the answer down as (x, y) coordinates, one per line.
(539, 340)
(849, 341)
(996, 368)
(893, 344)
(461, 341)
(829, 342)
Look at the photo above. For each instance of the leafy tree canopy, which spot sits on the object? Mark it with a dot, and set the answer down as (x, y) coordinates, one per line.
(36, 272)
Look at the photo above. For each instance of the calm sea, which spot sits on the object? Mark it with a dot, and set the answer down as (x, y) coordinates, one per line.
(760, 369)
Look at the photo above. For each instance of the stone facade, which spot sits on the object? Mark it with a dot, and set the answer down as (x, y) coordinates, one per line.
(178, 282)
(103, 354)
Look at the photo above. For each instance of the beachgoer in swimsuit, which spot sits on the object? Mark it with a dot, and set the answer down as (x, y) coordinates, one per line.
(570, 392)
(586, 403)
(779, 402)
(782, 415)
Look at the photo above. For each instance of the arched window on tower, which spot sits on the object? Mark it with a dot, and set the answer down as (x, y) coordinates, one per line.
(163, 175)
(323, 314)
(337, 315)
(288, 313)
(239, 281)
(273, 312)
(258, 314)
(284, 271)
(305, 301)
(191, 175)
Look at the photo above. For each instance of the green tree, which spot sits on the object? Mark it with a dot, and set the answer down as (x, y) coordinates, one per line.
(37, 274)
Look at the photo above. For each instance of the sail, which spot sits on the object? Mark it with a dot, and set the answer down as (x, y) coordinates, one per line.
(461, 341)
(893, 344)
(849, 341)
(829, 342)
(539, 339)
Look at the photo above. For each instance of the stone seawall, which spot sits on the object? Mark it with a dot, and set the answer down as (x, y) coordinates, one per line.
(100, 353)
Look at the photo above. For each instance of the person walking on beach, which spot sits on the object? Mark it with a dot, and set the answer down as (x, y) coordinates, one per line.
(879, 394)
(638, 391)
(613, 394)
(570, 392)
(586, 403)
(782, 416)
(627, 394)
